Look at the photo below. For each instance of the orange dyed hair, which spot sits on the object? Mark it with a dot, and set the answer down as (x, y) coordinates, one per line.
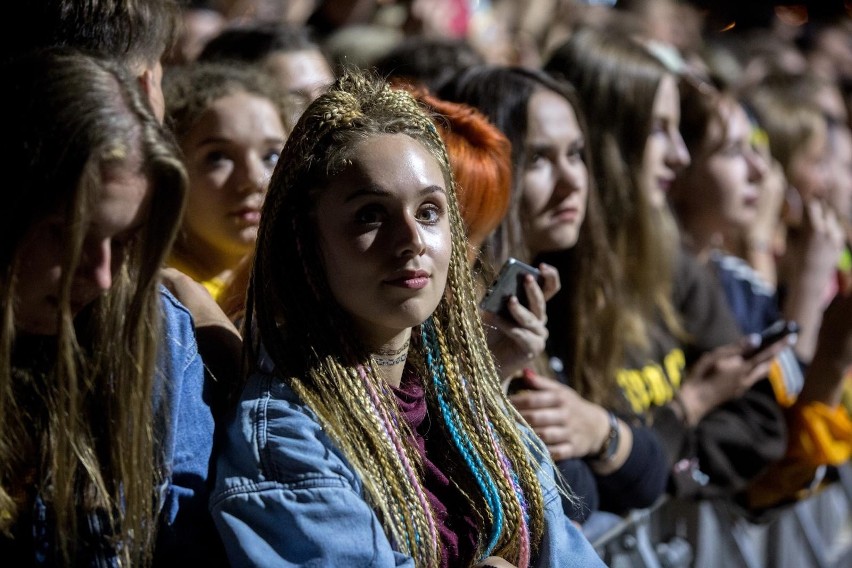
(481, 159)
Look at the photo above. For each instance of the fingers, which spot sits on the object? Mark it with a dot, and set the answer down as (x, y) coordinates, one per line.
(535, 298)
(551, 282)
(542, 383)
(544, 419)
(564, 451)
(526, 318)
(535, 400)
(760, 371)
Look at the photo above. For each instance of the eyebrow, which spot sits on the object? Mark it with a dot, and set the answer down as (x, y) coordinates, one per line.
(377, 191)
(536, 147)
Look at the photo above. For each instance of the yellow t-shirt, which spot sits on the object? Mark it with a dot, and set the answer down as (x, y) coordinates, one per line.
(214, 285)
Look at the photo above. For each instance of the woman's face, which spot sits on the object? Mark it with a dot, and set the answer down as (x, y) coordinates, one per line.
(665, 152)
(230, 152)
(840, 194)
(120, 210)
(384, 232)
(810, 166)
(724, 181)
(555, 181)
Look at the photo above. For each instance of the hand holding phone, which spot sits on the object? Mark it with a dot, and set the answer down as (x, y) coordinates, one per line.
(509, 282)
(771, 335)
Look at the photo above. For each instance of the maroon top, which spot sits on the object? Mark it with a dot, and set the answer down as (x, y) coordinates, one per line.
(456, 527)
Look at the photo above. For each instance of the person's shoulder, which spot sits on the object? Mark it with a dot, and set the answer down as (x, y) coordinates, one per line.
(738, 271)
(174, 312)
(289, 441)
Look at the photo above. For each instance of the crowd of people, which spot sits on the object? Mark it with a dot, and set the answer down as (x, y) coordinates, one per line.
(245, 325)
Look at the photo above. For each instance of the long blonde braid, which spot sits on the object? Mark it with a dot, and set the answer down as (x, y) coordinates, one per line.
(334, 374)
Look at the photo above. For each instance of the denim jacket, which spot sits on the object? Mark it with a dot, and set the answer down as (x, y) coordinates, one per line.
(286, 496)
(186, 531)
(184, 433)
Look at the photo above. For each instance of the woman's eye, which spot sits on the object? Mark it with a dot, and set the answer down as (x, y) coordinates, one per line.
(368, 215)
(576, 152)
(429, 214)
(271, 157)
(215, 158)
(535, 160)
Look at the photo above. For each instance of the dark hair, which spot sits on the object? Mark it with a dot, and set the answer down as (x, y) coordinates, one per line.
(477, 87)
(190, 90)
(583, 329)
(252, 44)
(131, 31)
(428, 61)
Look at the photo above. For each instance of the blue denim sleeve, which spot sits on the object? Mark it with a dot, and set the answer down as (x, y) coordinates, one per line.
(285, 497)
(186, 530)
(563, 544)
(321, 523)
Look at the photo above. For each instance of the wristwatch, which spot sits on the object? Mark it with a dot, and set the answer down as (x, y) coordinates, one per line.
(610, 445)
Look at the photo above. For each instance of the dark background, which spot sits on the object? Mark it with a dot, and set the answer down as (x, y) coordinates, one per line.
(760, 12)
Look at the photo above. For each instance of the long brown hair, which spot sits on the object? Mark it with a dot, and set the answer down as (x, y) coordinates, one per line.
(78, 429)
(617, 80)
(584, 317)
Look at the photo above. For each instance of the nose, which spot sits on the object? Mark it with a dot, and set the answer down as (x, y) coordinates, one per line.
(254, 175)
(570, 177)
(677, 155)
(757, 166)
(96, 265)
(408, 236)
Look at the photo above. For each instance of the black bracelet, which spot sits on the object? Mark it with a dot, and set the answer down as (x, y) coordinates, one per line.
(610, 445)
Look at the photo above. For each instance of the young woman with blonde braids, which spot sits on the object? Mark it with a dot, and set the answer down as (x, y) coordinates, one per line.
(373, 429)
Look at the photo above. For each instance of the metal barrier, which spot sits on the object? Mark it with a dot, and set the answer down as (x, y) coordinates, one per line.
(816, 532)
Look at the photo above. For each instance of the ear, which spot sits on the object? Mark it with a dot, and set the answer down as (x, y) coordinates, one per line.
(150, 81)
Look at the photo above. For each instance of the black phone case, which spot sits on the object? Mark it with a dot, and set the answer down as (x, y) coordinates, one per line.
(509, 282)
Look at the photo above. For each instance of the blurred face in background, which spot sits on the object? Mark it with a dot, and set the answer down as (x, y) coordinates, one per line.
(840, 193)
(119, 210)
(665, 152)
(810, 167)
(230, 153)
(301, 75)
(722, 185)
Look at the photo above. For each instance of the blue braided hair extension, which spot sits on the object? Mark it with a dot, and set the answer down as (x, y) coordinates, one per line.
(434, 362)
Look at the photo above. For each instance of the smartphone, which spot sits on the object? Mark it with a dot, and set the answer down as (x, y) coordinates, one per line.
(509, 282)
(772, 334)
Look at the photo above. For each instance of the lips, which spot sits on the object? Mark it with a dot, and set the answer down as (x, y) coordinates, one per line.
(566, 214)
(409, 279)
(250, 215)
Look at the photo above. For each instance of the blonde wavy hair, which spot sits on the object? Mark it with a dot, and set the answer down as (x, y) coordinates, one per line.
(303, 330)
(77, 417)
